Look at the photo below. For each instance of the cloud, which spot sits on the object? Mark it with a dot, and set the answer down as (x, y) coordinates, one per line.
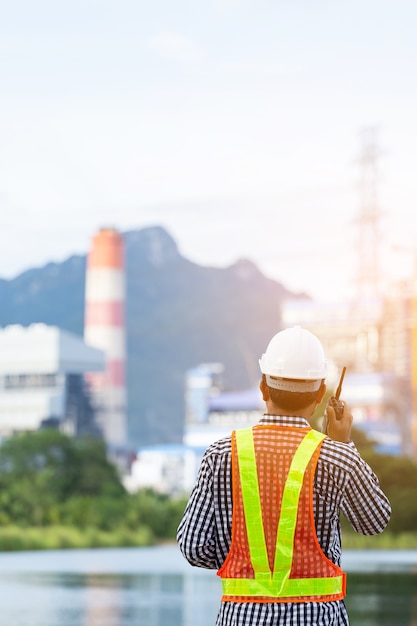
(176, 47)
(263, 68)
(227, 5)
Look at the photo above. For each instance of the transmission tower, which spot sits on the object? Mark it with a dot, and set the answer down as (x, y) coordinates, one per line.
(368, 275)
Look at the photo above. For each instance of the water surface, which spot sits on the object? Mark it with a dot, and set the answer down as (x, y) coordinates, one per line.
(157, 587)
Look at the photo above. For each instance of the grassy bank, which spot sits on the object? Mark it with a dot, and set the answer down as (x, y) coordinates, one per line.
(14, 538)
(385, 541)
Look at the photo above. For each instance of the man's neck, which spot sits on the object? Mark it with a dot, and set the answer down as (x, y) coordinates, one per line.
(273, 409)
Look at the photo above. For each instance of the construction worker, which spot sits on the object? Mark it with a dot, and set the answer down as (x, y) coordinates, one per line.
(265, 508)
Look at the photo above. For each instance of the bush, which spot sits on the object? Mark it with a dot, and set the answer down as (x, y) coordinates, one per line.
(101, 512)
(157, 511)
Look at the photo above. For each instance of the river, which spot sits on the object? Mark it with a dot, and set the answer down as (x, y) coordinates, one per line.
(157, 587)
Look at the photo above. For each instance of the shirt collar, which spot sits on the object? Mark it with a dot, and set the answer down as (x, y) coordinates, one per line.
(285, 420)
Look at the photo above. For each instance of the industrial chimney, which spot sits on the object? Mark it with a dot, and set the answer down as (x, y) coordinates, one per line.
(104, 328)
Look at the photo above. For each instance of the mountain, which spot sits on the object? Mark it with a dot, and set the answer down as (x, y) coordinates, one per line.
(178, 315)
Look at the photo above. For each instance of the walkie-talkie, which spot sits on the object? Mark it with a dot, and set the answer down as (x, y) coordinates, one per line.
(335, 403)
(334, 400)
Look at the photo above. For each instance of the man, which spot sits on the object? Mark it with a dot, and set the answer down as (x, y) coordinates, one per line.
(265, 508)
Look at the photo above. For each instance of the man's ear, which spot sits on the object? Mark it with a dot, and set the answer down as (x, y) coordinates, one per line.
(321, 392)
(264, 390)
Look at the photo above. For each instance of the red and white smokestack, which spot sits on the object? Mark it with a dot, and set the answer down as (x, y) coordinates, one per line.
(104, 328)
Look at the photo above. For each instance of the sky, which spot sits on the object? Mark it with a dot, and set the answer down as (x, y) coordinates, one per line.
(238, 125)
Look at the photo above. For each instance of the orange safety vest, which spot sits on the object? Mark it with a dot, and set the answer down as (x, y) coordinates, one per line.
(274, 554)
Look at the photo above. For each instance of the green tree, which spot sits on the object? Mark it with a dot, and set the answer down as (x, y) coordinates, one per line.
(97, 476)
(41, 471)
(157, 511)
(398, 479)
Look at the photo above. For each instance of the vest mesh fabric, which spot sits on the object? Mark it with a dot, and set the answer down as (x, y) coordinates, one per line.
(297, 561)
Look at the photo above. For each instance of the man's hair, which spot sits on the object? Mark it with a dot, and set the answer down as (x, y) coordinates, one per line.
(290, 400)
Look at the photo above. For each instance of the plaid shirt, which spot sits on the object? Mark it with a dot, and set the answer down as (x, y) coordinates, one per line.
(343, 482)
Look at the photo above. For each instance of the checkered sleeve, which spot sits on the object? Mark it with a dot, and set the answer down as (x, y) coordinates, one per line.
(361, 499)
(200, 533)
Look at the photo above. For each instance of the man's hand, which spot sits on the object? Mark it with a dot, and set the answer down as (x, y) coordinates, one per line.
(339, 429)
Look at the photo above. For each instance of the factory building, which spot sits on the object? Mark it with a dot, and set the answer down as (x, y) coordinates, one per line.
(201, 384)
(104, 328)
(227, 411)
(211, 415)
(42, 372)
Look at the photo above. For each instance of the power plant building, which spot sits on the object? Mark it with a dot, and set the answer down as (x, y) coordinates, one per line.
(42, 372)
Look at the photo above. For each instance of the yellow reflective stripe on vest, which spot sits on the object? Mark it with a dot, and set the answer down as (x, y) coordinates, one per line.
(290, 499)
(276, 583)
(252, 501)
(283, 587)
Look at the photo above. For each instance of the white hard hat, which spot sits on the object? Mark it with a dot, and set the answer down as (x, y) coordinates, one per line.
(296, 354)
